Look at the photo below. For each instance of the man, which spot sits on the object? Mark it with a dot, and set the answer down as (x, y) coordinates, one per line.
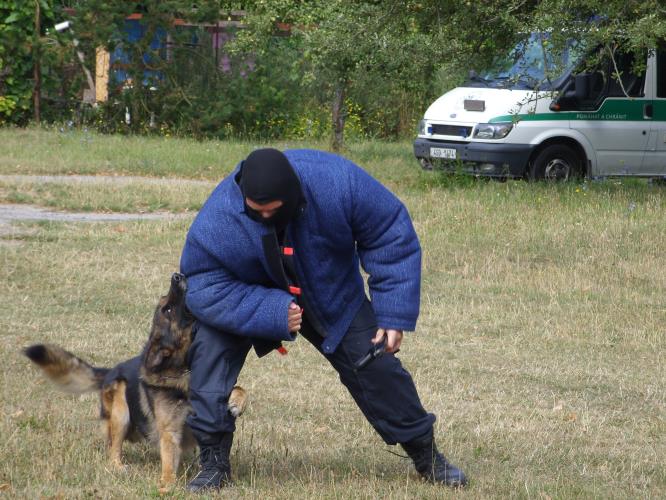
(275, 251)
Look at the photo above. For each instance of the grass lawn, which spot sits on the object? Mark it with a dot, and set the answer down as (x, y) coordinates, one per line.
(540, 346)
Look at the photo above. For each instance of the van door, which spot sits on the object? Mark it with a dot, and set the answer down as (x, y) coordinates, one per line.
(616, 124)
(655, 156)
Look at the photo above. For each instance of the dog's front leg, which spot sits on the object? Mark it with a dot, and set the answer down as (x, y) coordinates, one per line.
(237, 401)
(170, 451)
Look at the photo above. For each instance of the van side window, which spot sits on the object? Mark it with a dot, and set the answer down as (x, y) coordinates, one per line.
(629, 79)
(661, 72)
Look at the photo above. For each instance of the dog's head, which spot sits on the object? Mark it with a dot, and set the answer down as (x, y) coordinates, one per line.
(171, 333)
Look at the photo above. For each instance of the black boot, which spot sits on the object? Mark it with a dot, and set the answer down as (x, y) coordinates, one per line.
(214, 451)
(431, 464)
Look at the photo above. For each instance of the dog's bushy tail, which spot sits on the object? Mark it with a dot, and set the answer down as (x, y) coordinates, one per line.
(69, 372)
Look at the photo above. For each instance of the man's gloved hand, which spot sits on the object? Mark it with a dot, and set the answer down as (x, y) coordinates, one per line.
(294, 317)
(393, 339)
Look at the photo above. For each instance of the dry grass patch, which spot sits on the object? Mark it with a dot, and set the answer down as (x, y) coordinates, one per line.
(540, 347)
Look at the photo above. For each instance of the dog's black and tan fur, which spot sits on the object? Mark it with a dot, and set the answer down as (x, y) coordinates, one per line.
(144, 397)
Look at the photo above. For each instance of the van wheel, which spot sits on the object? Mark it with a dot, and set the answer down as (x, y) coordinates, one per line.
(556, 163)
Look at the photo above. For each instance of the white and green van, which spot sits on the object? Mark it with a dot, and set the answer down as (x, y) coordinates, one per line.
(516, 122)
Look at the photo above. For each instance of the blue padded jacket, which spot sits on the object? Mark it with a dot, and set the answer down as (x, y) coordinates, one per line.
(349, 219)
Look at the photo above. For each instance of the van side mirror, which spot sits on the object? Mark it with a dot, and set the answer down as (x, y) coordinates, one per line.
(582, 86)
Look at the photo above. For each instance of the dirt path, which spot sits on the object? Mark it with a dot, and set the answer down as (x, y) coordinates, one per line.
(10, 213)
(121, 180)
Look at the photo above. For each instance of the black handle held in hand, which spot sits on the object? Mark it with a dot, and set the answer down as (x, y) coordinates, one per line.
(375, 352)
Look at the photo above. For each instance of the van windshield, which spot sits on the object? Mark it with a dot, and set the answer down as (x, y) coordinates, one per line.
(530, 65)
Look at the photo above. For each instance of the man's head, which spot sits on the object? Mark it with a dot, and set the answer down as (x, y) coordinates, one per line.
(270, 187)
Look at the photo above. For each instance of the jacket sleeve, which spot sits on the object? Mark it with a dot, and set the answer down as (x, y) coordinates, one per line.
(389, 251)
(216, 297)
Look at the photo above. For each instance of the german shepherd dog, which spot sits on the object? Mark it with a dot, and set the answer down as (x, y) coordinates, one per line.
(145, 397)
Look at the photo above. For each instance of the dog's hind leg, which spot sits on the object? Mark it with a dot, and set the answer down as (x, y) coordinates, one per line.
(116, 413)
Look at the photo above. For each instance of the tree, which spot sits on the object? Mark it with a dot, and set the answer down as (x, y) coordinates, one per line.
(21, 40)
(341, 43)
(353, 46)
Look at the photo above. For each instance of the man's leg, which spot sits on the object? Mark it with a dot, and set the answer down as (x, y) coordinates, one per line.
(387, 396)
(215, 358)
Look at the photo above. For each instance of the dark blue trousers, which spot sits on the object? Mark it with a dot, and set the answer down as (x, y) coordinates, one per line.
(384, 390)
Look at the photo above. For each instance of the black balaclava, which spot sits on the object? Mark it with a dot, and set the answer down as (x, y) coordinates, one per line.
(267, 175)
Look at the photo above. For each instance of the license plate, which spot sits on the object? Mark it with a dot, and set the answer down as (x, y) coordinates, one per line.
(448, 153)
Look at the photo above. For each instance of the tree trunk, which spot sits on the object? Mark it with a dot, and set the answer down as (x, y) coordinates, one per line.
(37, 71)
(338, 115)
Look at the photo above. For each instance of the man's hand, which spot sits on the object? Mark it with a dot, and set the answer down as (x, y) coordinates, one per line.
(294, 317)
(393, 339)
